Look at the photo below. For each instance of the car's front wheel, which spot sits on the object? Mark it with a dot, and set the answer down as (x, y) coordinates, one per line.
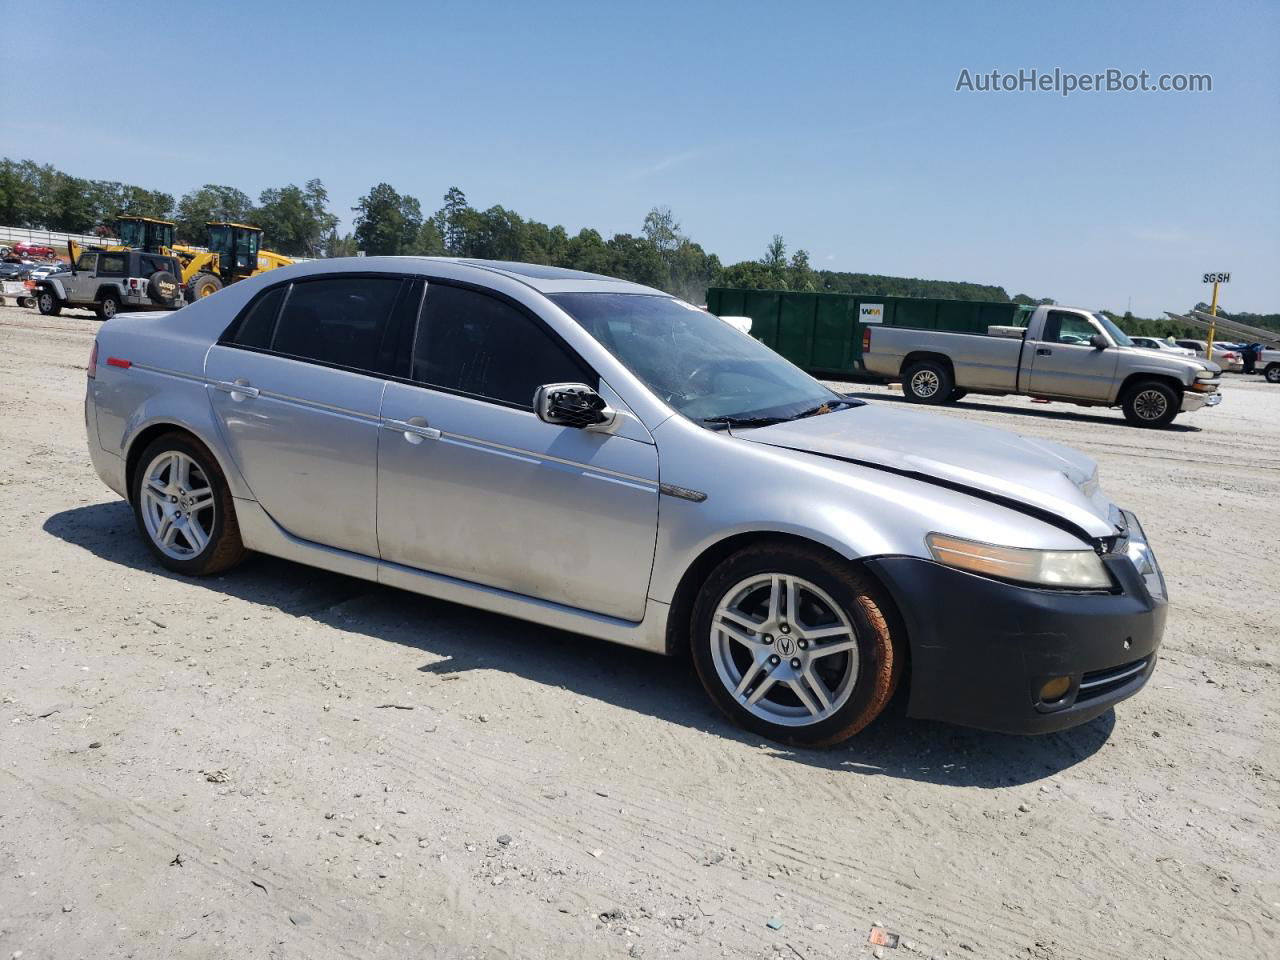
(1151, 403)
(795, 644)
(48, 304)
(1273, 373)
(184, 508)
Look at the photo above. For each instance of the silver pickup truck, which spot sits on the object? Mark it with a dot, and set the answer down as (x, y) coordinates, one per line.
(1063, 353)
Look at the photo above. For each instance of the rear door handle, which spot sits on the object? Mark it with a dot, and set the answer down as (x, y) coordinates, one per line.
(235, 387)
(415, 429)
(1044, 352)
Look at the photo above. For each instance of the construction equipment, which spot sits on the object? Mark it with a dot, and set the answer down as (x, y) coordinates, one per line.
(234, 252)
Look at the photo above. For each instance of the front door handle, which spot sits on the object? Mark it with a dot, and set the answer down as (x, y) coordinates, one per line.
(414, 430)
(1044, 352)
(238, 389)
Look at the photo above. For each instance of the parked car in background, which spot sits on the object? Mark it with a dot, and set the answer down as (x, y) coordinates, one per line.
(604, 458)
(1063, 353)
(106, 281)
(1153, 343)
(1268, 361)
(48, 270)
(23, 249)
(1224, 357)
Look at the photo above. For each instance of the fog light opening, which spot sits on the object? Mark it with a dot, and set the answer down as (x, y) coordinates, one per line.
(1054, 690)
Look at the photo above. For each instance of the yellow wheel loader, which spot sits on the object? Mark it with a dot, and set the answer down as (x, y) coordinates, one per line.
(234, 252)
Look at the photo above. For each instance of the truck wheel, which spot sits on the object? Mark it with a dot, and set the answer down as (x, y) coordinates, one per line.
(1272, 373)
(48, 303)
(203, 285)
(1151, 403)
(107, 307)
(927, 381)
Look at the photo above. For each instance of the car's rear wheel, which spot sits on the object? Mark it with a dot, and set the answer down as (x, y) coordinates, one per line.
(184, 508)
(107, 307)
(1273, 373)
(795, 644)
(927, 381)
(1151, 404)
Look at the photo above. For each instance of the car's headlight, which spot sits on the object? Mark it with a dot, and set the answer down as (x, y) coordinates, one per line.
(1077, 569)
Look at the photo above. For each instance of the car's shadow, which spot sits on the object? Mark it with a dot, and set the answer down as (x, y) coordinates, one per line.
(1041, 414)
(461, 639)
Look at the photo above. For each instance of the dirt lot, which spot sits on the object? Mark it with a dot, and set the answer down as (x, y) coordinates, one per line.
(287, 763)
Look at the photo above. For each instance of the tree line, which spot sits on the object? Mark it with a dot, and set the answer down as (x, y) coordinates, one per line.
(296, 221)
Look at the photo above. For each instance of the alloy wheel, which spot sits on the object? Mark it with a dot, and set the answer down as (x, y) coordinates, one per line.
(784, 649)
(177, 505)
(924, 383)
(1150, 404)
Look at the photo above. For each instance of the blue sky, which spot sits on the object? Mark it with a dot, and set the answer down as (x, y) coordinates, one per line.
(837, 125)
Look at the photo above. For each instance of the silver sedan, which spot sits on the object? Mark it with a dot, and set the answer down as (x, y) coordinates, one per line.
(606, 459)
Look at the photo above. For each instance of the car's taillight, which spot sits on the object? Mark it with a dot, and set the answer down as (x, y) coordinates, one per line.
(866, 340)
(93, 361)
(133, 283)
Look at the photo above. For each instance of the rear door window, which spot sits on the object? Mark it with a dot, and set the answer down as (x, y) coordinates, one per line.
(336, 320)
(112, 264)
(472, 343)
(258, 325)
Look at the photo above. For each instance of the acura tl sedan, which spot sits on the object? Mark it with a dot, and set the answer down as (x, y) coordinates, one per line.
(603, 458)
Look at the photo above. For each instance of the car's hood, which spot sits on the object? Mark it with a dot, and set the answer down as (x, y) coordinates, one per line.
(1175, 361)
(1040, 474)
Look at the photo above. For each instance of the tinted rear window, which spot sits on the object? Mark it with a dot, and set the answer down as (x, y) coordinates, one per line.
(339, 320)
(259, 324)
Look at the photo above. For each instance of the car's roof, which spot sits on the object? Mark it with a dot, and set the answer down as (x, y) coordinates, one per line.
(553, 279)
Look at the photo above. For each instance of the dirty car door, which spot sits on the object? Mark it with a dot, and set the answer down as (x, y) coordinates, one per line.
(473, 485)
(296, 385)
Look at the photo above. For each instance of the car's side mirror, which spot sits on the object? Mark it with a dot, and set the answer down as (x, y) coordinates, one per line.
(573, 405)
(1098, 342)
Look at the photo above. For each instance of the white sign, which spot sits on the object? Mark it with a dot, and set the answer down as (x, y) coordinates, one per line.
(1217, 278)
(871, 313)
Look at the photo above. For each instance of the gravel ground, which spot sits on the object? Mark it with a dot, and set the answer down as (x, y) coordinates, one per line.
(282, 762)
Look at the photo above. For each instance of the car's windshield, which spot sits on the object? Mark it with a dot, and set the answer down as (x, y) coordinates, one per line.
(694, 361)
(1119, 336)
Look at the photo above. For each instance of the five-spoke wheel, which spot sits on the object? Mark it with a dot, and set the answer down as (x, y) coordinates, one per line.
(794, 643)
(183, 507)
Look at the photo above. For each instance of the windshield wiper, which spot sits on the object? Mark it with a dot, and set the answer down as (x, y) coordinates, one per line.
(744, 421)
(829, 407)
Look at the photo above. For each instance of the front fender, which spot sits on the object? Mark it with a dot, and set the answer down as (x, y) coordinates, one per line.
(855, 511)
(52, 285)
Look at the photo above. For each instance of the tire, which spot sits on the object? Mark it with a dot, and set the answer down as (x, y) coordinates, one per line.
(107, 307)
(957, 394)
(927, 381)
(48, 304)
(163, 288)
(207, 539)
(1272, 373)
(1151, 403)
(202, 285)
(857, 682)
